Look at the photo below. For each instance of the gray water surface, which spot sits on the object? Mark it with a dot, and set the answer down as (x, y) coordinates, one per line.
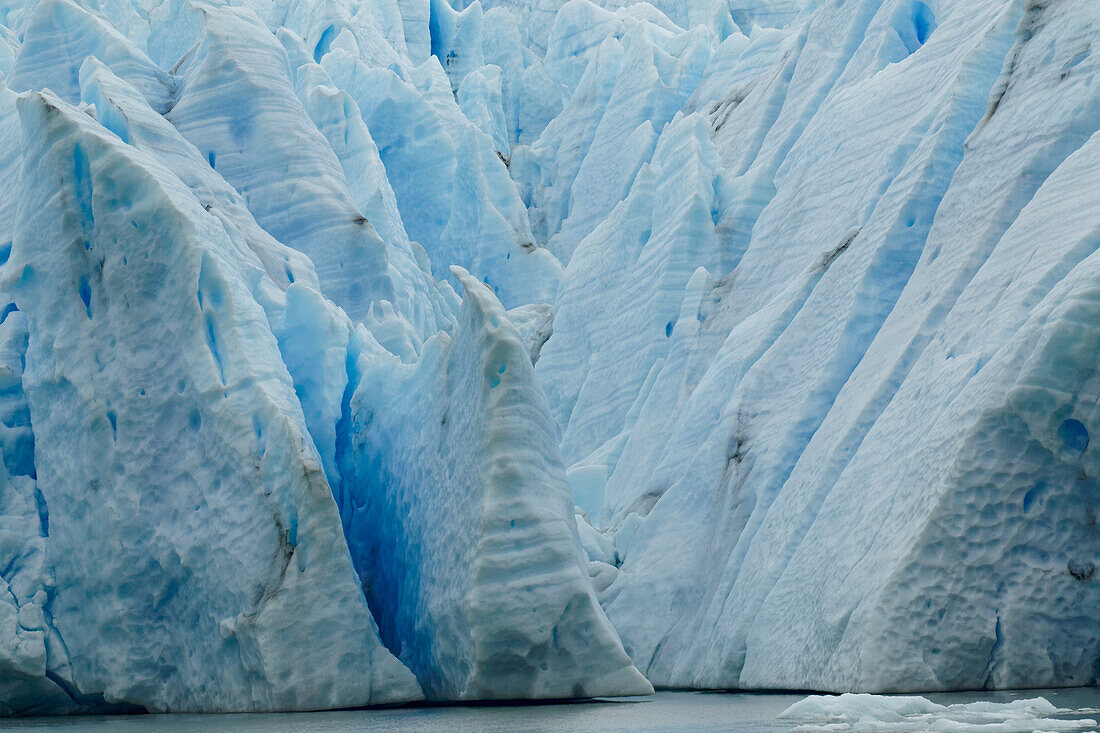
(665, 711)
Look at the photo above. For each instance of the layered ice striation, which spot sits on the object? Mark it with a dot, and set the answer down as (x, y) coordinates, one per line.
(359, 351)
(839, 421)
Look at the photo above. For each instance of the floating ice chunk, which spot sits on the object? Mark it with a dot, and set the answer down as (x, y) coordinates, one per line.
(873, 713)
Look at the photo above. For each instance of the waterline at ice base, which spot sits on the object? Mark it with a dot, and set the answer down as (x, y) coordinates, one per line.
(366, 352)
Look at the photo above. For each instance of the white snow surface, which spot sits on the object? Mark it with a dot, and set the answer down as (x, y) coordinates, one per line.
(362, 350)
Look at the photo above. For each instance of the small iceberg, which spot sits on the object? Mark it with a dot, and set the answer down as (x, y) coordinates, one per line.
(878, 713)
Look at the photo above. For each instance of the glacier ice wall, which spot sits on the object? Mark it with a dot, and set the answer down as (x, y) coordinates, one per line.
(358, 351)
(462, 610)
(202, 261)
(194, 559)
(841, 431)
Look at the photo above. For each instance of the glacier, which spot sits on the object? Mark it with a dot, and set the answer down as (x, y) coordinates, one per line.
(361, 352)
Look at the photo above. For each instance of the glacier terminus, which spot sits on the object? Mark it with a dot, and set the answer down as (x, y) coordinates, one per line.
(364, 352)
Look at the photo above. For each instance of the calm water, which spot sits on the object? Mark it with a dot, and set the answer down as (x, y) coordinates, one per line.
(665, 711)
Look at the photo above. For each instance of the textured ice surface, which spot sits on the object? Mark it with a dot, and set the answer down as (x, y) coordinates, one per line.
(192, 274)
(495, 602)
(775, 349)
(490, 603)
(851, 452)
(180, 571)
